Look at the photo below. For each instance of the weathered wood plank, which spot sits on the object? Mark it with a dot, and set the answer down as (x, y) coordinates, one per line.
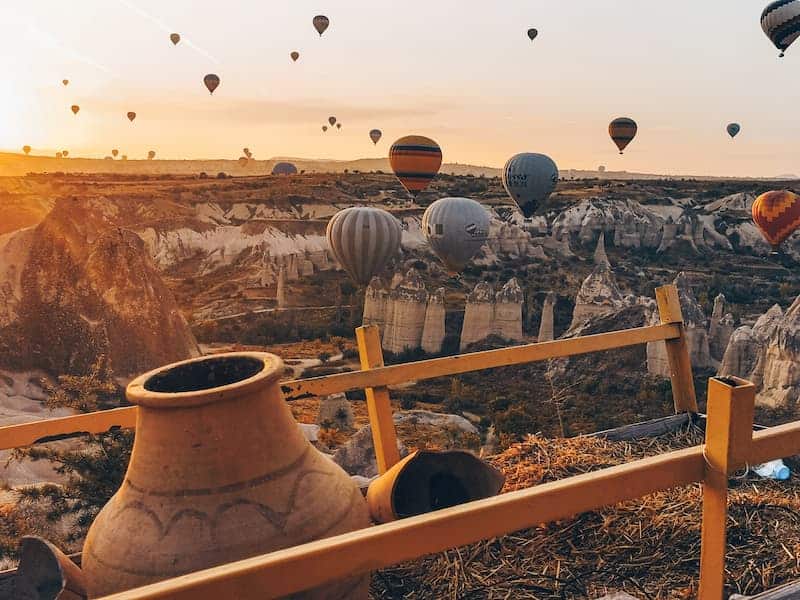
(646, 429)
(680, 364)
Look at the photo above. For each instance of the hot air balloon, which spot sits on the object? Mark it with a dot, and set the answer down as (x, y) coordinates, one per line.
(332, 121)
(622, 131)
(124, 157)
(777, 215)
(338, 126)
(363, 239)
(26, 150)
(65, 82)
(415, 160)
(131, 116)
(242, 161)
(59, 155)
(295, 55)
(324, 128)
(246, 151)
(175, 37)
(734, 129)
(151, 155)
(781, 22)
(114, 153)
(284, 168)
(530, 179)
(455, 228)
(212, 82)
(375, 135)
(532, 33)
(65, 153)
(75, 109)
(321, 23)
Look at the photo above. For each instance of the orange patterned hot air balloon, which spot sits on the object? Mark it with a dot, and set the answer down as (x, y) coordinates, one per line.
(777, 215)
(622, 131)
(415, 160)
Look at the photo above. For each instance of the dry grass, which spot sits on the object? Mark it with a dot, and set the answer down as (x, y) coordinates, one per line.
(648, 547)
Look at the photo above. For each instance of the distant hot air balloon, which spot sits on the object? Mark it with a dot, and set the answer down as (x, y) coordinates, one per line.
(284, 168)
(455, 229)
(332, 121)
(26, 150)
(124, 157)
(324, 128)
(777, 215)
(530, 179)
(415, 160)
(781, 22)
(321, 23)
(622, 131)
(114, 152)
(532, 33)
(131, 116)
(151, 155)
(175, 37)
(734, 129)
(75, 109)
(65, 153)
(65, 82)
(242, 161)
(295, 55)
(375, 135)
(246, 151)
(212, 82)
(601, 169)
(363, 239)
(59, 155)
(338, 126)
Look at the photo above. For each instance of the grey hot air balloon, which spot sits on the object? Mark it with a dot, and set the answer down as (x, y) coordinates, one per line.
(363, 239)
(284, 168)
(734, 129)
(530, 179)
(375, 135)
(532, 33)
(455, 228)
(321, 23)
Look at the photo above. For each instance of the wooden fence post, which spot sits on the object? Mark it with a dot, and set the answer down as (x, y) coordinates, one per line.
(384, 435)
(729, 435)
(680, 363)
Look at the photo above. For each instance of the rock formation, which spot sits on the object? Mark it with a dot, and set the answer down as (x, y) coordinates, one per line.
(478, 315)
(433, 332)
(720, 329)
(696, 334)
(546, 329)
(600, 256)
(745, 354)
(335, 411)
(405, 317)
(780, 382)
(375, 303)
(599, 295)
(508, 311)
(82, 287)
(280, 296)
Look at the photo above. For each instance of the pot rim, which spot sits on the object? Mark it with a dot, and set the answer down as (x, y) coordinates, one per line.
(137, 394)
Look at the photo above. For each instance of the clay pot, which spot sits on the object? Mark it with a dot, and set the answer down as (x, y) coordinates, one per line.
(219, 472)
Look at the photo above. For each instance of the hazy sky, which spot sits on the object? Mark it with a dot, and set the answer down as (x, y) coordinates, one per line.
(460, 71)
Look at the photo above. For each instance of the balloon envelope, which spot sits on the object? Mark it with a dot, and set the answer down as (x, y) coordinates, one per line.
(375, 135)
(65, 153)
(734, 129)
(777, 215)
(321, 23)
(338, 126)
(151, 155)
(26, 149)
(532, 33)
(332, 120)
(455, 229)
(529, 179)
(131, 116)
(781, 23)
(363, 239)
(75, 109)
(175, 37)
(212, 82)
(295, 56)
(622, 131)
(415, 160)
(284, 168)
(114, 152)
(65, 82)
(324, 128)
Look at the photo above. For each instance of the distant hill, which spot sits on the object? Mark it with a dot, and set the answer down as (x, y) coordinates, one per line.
(12, 164)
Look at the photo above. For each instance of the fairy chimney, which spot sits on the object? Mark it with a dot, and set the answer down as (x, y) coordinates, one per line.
(546, 329)
(433, 331)
(478, 315)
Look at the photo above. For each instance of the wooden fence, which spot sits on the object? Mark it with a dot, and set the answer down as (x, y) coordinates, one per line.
(730, 443)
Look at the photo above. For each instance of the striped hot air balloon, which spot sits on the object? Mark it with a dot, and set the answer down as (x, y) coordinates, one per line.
(622, 131)
(781, 22)
(363, 239)
(777, 215)
(455, 229)
(415, 160)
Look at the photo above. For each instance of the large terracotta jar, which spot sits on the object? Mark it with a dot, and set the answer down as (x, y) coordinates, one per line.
(219, 472)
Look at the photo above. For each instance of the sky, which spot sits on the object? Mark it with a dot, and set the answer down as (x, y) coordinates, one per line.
(460, 71)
